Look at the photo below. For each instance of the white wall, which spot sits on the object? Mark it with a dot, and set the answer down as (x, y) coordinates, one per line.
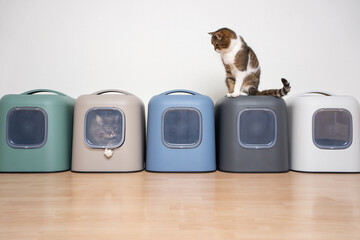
(150, 46)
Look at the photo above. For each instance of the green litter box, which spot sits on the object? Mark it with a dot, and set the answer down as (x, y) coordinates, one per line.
(36, 131)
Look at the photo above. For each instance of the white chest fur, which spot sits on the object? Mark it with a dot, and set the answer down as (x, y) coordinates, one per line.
(228, 55)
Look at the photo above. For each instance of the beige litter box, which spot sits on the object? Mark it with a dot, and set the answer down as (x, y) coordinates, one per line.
(109, 132)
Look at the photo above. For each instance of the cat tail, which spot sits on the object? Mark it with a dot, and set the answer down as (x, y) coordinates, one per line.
(277, 92)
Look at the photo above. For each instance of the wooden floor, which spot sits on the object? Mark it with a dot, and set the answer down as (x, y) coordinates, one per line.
(179, 206)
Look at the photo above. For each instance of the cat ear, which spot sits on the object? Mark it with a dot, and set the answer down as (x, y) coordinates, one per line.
(99, 120)
(216, 34)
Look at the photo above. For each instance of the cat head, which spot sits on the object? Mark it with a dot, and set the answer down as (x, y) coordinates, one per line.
(107, 126)
(221, 39)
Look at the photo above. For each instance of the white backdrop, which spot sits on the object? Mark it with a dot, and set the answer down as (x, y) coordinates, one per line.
(150, 46)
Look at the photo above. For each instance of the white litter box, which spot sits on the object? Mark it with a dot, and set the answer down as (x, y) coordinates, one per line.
(324, 133)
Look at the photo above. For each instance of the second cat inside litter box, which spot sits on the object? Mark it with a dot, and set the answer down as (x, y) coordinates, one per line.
(104, 129)
(109, 132)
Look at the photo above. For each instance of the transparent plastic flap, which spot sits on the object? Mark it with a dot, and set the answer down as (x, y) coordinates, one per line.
(332, 128)
(257, 128)
(181, 127)
(104, 128)
(26, 127)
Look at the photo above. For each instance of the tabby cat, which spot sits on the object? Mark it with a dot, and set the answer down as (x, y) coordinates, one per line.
(241, 65)
(105, 130)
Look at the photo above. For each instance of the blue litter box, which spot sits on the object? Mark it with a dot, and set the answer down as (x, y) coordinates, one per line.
(181, 133)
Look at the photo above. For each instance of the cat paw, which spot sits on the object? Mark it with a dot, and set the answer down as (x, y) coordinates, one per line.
(234, 94)
(108, 153)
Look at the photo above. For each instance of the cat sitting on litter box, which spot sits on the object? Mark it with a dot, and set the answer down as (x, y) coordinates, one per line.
(241, 65)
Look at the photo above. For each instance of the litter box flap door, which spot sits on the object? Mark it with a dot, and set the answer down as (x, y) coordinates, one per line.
(257, 128)
(104, 128)
(332, 128)
(26, 127)
(181, 127)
